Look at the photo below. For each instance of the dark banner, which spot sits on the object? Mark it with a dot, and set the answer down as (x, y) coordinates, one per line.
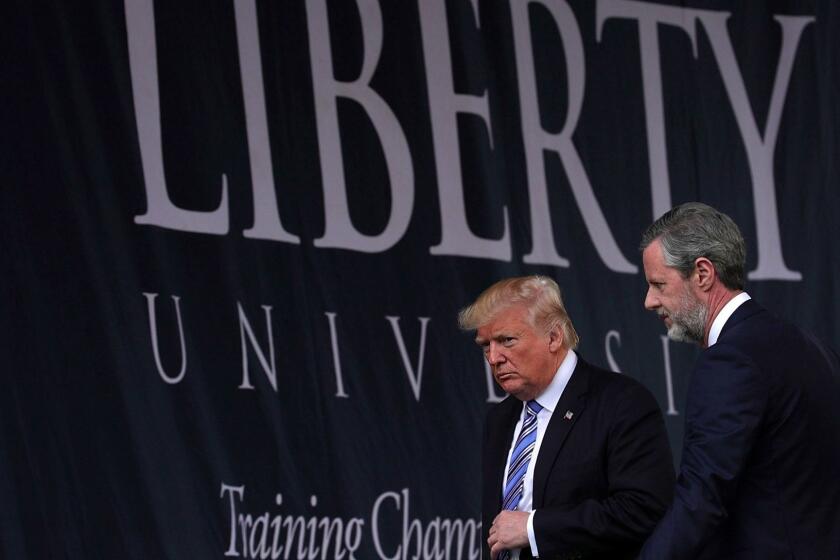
(236, 236)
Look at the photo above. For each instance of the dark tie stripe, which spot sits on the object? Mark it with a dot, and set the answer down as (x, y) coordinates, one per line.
(520, 458)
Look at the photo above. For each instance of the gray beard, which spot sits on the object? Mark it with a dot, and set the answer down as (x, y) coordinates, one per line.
(689, 325)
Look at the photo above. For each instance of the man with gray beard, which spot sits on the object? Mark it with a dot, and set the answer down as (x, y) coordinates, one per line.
(761, 454)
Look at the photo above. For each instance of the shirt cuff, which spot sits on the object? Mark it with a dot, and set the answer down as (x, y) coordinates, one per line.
(532, 539)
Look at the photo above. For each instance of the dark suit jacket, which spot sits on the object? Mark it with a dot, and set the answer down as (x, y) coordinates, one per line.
(760, 471)
(602, 480)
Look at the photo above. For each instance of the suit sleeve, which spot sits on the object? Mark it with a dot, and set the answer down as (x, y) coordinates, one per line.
(640, 477)
(726, 402)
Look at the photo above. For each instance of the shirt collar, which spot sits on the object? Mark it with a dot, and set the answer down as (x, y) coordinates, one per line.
(724, 315)
(549, 398)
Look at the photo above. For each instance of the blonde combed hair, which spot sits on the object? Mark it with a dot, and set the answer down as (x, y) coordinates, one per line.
(539, 294)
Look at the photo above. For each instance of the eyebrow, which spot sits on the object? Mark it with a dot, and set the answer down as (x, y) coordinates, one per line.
(498, 336)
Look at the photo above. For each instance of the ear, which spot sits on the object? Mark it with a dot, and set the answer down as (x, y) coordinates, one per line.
(555, 339)
(706, 275)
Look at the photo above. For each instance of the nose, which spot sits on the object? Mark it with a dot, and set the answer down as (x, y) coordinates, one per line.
(494, 355)
(651, 302)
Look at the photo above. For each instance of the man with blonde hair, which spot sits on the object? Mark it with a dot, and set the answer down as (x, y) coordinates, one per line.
(576, 462)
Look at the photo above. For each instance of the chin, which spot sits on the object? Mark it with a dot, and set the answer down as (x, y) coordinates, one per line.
(513, 389)
(509, 388)
(679, 334)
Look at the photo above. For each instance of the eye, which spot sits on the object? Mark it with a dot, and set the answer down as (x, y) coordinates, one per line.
(508, 341)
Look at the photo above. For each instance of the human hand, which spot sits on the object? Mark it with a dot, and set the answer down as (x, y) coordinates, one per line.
(509, 530)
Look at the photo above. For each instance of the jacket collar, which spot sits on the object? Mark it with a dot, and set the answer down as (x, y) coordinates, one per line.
(744, 312)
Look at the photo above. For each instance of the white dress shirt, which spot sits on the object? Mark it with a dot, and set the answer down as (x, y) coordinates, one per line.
(548, 399)
(724, 315)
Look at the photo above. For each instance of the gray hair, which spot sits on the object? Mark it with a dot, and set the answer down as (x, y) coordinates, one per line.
(540, 294)
(693, 230)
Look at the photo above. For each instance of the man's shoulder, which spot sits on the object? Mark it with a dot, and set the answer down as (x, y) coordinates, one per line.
(758, 334)
(609, 384)
(768, 342)
(753, 323)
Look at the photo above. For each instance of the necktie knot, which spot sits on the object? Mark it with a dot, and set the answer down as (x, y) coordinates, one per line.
(534, 406)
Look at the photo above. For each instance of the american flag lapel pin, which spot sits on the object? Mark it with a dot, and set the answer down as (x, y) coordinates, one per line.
(569, 415)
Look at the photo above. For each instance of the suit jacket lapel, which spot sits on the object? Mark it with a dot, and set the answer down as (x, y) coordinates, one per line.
(568, 411)
(507, 419)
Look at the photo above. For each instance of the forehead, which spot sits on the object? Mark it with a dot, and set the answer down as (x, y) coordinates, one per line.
(514, 317)
(654, 261)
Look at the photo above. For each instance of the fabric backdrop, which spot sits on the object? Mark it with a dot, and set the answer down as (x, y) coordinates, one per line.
(236, 235)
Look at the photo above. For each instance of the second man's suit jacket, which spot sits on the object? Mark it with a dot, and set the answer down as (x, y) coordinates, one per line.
(760, 469)
(603, 478)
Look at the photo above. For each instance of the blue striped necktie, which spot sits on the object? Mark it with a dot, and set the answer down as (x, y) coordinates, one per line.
(519, 460)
